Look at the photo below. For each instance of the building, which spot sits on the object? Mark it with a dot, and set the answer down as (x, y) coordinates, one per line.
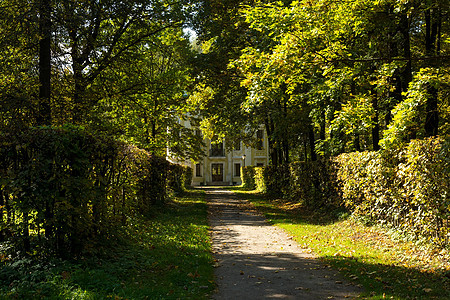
(222, 167)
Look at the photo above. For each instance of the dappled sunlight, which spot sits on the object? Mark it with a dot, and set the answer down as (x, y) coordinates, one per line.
(256, 260)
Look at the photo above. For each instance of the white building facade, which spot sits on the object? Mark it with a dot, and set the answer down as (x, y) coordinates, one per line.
(223, 167)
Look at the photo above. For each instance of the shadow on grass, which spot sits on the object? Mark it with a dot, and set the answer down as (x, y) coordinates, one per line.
(381, 280)
(290, 212)
(386, 281)
(166, 256)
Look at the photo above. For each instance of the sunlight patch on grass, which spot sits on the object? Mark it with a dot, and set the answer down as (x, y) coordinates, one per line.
(165, 256)
(368, 256)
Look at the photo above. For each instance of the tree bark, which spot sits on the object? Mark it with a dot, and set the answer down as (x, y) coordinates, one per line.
(44, 110)
(432, 48)
(375, 121)
(312, 143)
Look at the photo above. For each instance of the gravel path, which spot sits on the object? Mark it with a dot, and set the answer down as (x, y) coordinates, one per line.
(259, 261)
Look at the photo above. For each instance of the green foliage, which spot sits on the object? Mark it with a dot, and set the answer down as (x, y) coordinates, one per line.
(63, 189)
(366, 255)
(314, 184)
(248, 177)
(179, 178)
(405, 188)
(272, 180)
(163, 256)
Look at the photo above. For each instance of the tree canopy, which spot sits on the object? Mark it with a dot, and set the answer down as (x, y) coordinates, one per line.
(338, 75)
(323, 77)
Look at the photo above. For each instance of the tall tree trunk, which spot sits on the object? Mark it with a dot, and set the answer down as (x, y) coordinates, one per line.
(286, 151)
(357, 142)
(433, 22)
(312, 143)
(44, 113)
(272, 151)
(375, 121)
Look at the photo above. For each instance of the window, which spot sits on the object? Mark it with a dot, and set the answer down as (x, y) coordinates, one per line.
(216, 149)
(198, 170)
(260, 164)
(260, 140)
(237, 170)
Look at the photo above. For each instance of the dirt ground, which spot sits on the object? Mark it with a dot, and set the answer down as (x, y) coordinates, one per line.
(258, 261)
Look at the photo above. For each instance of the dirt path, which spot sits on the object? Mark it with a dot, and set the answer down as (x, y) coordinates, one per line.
(259, 261)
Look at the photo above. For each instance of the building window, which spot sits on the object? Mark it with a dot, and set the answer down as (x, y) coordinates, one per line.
(217, 149)
(260, 164)
(237, 170)
(260, 139)
(198, 170)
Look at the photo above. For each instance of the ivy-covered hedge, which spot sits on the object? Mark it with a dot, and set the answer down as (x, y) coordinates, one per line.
(62, 190)
(248, 177)
(314, 183)
(180, 178)
(272, 180)
(406, 188)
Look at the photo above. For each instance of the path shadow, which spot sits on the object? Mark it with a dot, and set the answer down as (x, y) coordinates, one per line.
(258, 261)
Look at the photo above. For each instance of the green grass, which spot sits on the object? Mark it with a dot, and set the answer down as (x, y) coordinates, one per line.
(368, 256)
(165, 256)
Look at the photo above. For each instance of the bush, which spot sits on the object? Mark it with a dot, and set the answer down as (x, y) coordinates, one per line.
(63, 189)
(248, 177)
(407, 188)
(272, 180)
(179, 178)
(313, 183)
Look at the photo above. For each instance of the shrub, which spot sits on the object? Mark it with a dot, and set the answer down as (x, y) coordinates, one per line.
(313, 183)
(63, 189)
(248, 177)
(179, 178)
(407, 188)
(272, 180)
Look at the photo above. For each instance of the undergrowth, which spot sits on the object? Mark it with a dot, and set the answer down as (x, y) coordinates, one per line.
(369, 256)
(165, 255)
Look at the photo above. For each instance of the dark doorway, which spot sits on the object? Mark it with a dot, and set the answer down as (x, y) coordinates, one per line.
(217, 172)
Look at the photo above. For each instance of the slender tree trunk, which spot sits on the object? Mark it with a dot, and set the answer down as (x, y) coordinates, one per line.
(305, 149)
(357, 142)
(286, 151)
(312, 142)
(44, 113)
(78, 78)
(432, 48)
(375, 121)
(272, 151)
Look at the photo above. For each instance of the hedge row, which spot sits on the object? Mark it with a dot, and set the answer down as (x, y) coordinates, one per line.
(248, 177)
(406, 188)
(62, 190)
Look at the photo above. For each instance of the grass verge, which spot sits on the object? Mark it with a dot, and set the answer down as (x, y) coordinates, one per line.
(165, 256)
(367, 255)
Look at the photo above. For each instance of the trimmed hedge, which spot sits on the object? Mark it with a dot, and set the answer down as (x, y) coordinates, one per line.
(406, 188)
(248, 177)
(62, 190)
(179, 178)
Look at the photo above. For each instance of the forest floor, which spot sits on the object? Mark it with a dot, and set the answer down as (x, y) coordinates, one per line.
(255, 260)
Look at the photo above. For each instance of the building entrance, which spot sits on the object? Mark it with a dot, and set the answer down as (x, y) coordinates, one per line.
(217, 172)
